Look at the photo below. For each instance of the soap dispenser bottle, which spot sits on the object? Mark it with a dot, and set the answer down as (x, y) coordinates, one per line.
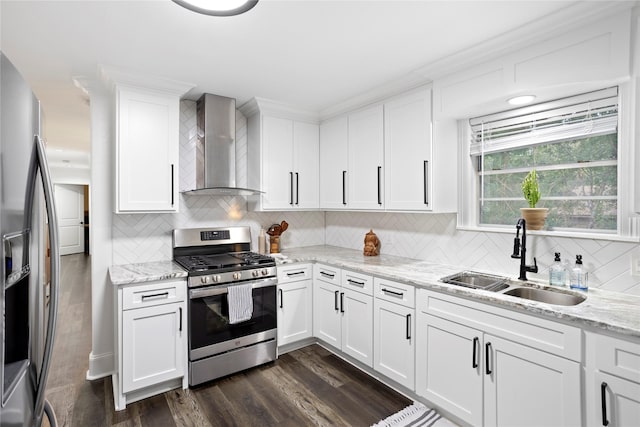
(557, 272)
(578, 276)
(262, 242)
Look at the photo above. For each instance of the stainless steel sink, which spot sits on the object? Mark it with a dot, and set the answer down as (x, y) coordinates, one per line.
(475, 280)
(549, 296)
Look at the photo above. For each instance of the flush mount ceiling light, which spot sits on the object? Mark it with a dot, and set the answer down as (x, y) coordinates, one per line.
(521, 100)
(218, 7)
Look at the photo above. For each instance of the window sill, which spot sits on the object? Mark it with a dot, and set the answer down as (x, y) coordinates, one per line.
(550, 233)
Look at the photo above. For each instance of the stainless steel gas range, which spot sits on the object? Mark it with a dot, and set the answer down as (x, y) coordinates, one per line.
(216, 260)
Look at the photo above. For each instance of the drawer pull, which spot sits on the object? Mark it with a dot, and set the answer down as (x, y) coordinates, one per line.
(328, 275)
(355, 282)
(408, 336)
(487, 349)
(295, 273)
(160, 295)
(281, 298)
(603, 397)
(341, 302)
(180, 328)
(398, 294)
(335, 300)
(474, 359)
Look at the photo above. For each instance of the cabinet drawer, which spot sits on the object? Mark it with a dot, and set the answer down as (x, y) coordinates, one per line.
(358, 282)
(399, 293)
(156, 293)
(294, 273)
(617, 357)
(546, 335)
(326, 274)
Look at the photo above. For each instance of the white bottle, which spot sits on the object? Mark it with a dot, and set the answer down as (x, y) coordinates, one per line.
(578, 276)
(262, 242)
(557, 273)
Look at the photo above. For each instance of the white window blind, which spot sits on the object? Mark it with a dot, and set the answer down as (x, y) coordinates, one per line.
(590, 114)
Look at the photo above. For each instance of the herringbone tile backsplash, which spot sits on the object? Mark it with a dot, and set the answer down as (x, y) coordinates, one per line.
(429, 237)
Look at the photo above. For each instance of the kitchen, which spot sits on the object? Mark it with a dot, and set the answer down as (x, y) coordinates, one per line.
(442, 238)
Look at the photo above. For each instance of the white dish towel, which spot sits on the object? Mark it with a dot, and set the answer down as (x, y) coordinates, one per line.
(240, 301)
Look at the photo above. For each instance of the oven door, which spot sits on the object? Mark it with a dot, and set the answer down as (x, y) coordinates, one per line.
(211, 333)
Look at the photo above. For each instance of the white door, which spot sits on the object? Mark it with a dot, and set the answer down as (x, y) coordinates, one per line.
(619, 398)
(278, 178)
(357, 325)
(306, 137)
(333, 163)
(294, 312)
(70, 209)
(326, 313)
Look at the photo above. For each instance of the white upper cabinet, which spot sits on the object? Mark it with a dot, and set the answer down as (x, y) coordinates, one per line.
(333, 163)
(147, 132)
(365, 178)
(283, 157)
(407, 152)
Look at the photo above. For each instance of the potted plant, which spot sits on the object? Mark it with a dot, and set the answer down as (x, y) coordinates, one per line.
(533, 216)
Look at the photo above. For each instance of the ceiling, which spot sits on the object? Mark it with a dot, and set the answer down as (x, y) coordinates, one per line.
(314, 54)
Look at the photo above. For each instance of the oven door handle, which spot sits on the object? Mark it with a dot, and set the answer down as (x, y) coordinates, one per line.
(210, 291)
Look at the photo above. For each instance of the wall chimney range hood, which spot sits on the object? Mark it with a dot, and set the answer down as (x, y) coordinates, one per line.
(216, 148)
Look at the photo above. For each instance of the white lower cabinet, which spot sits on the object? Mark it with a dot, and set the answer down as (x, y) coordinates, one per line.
(394, 331)
(343, 311)
(493, 367)
(612, 381)
(150, 340)
(294, 303)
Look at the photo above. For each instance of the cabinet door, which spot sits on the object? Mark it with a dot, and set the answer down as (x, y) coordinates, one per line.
(619, 398)
(146, 152)
(365, 174)
(294, 311)
(153, 345)
(407, 148)
(277, 163)
(524, 386)
(333, 163)
(449, 366)
(357, 325)
(306, 165)
(394, 341)
(326, 313)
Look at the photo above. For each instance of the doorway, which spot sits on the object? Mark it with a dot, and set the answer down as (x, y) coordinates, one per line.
(73, 218)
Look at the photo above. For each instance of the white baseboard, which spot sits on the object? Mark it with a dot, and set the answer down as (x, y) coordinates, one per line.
(100, 366)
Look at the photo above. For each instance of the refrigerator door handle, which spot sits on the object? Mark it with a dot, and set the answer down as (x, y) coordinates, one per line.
(39, 161)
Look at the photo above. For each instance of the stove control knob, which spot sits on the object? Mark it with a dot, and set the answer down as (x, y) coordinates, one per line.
(255, 273)
(204, 279)
(265, 271)
(216, 279)
(237, 276)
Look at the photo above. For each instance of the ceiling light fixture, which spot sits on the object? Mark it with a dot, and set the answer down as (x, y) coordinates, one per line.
(218, 7)
(521, 100)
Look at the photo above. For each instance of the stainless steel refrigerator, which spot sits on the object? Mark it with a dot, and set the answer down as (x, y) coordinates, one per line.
(30, 271)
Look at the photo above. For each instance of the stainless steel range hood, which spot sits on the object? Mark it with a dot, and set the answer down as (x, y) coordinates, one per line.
(216, 148)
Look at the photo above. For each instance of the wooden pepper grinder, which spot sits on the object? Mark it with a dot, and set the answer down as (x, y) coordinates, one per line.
(274, 233)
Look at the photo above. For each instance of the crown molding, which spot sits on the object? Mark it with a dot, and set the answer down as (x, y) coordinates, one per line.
(121, 77)
(277, 109)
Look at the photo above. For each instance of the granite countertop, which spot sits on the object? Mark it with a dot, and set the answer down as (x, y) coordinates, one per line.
(612, 311)
(145, 272)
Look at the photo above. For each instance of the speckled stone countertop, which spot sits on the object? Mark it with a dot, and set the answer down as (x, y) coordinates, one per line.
(615, 312)
(145, 272)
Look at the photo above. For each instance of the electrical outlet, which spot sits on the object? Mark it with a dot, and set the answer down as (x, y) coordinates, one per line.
(635, 264)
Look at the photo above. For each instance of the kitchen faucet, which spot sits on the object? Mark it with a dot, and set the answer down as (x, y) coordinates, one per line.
(520, 251)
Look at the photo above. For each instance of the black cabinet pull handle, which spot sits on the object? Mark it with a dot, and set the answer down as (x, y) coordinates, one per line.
(335, 300)
(379, 183)
(603, 398)
(281, 298)
(172, 185)
(355, 282)
(180, 328)
(291, 192)
(487, 353)
(295, 273)
(408, 326)
(160, 295)
(297, 189)
(426, 182)
(344, 189)
(341, 302)
(329, 275)
(474, 359)
(387, 291)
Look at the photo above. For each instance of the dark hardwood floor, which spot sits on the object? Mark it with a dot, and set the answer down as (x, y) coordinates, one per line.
(310, 386)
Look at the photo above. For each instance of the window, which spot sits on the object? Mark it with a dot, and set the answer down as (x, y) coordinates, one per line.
(573, 145)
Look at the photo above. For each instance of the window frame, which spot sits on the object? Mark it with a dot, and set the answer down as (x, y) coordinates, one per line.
(628, 224)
